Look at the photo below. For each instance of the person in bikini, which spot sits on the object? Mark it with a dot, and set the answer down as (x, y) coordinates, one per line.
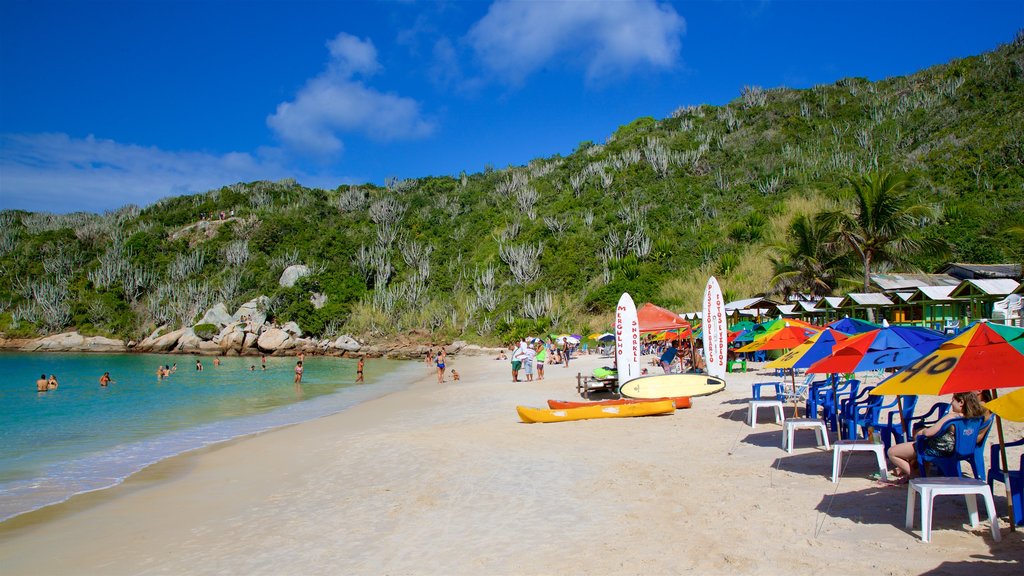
(904, 456)
(439, 362)
(359, 370)
(105, 379)
(298, 372)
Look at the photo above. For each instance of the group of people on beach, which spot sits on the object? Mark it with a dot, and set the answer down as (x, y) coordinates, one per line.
(531, 357)
(438, 360)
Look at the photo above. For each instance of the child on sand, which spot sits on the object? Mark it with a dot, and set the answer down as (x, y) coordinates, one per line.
(455, 375)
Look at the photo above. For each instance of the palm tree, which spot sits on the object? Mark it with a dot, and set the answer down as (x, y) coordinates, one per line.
(806, 264)
(884, 223)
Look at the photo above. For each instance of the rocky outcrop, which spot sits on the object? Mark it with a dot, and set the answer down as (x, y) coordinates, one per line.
(273, 339)
(292, 274)
(218, 316)
(74, 342)
(231, 338)
(292, 328)
(162, 343)
(189, 341)
(253, 310)
(346, 343)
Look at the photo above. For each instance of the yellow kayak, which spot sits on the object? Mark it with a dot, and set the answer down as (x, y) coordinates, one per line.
(530, 415)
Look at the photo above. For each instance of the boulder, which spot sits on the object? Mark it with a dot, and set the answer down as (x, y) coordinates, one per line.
(250, 341)
(292, 274)
(253, 309)
(101, 344)
(318, 300)
(292, 328)
(346, 343)
(273, 339)
(232, 338)
(162, 343)
(454, 347)
(73, 342)
(209, 348)
(189, 341)
(218, 316)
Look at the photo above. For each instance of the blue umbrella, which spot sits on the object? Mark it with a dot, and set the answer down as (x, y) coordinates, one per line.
(885, 347)
(849, 325)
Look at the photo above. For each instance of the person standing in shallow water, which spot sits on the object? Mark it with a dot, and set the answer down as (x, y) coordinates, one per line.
(298, 372)
(42, 385)
(359, 370)
(439, 362)
(105, 379)
(51, 384)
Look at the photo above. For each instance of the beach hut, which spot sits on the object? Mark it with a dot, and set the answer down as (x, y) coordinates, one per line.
(979, 296)
(870, 305)
(829, 307)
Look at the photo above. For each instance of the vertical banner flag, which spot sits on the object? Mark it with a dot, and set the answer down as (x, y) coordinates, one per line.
(715, 330)
(627, 339)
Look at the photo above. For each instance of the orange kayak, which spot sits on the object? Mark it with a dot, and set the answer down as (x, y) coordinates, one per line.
(680, 402)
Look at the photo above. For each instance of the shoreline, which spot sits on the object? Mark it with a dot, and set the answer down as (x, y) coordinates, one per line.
(445, 479)
(121, 461)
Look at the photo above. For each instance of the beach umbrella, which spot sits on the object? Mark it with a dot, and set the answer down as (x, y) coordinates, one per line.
(606, 337)
(849, 325)
(785, 338)
(1010, 406)
(886, 347)
(570, 338)
(813, 349)
(747, 335)
(742, 325)
(983, 357)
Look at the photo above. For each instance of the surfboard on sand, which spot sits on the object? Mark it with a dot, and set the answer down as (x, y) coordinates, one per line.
(672, 385)
(681, 402)
(716, 345)
(627, 339)
(531, 415)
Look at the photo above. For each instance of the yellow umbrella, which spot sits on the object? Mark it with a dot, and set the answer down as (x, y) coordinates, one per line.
(1010, 406)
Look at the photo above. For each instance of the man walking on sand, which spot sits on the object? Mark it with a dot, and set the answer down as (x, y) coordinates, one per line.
(565, 351)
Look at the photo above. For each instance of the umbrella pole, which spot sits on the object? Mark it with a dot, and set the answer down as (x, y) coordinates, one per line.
(1006, 467)
(796, 404)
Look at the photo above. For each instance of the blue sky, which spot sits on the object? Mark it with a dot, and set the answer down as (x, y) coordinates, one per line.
(106, 103)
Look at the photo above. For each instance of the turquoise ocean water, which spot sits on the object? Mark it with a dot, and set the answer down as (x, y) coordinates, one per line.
(82, 437)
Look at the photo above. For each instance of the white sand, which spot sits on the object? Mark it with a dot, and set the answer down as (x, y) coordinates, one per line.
(444, 479)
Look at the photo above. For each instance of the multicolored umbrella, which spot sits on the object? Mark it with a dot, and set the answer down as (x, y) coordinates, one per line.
(742, 325)
(886, 347)
(1010, 406)
(849, 325)
(815, 348)
(786, 338)
(983, 357)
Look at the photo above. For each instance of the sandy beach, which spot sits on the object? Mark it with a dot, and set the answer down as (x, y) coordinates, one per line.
(444, 479)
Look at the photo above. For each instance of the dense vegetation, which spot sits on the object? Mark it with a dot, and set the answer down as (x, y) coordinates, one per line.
(741, 191)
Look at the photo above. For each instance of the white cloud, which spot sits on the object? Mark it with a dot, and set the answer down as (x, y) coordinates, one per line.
(58, 173)
(335, 102)
(607, 38)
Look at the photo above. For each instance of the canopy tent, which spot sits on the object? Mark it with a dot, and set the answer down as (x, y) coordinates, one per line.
(657, 319)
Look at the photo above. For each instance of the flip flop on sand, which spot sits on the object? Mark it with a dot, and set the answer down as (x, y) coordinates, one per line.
(898, 482)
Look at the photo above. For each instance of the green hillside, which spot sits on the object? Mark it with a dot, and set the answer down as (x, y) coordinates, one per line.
(652, 210)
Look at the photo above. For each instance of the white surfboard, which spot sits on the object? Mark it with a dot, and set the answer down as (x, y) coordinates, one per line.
(627, 340)
(716, 335)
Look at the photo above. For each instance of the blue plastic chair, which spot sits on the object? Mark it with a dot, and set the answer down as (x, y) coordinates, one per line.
(995, 472)
(831, 403)
(892, 431)
(861, 413)
(933, 415)
(776, 389)
(971, 435)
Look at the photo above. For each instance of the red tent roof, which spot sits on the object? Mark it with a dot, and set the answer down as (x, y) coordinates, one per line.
(655, 319)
